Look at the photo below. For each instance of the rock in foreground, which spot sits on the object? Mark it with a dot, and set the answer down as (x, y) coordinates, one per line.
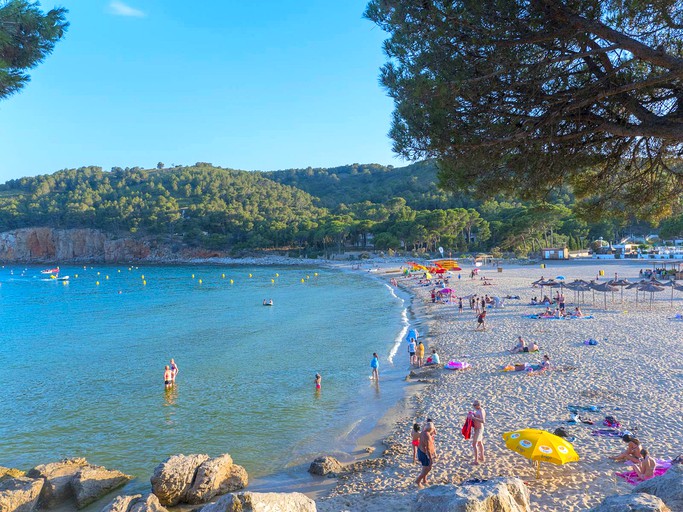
(262, 502)
(135, 503)
(19, 494)
(57, 478)
(92, 482)
(495, 495)
(632, 503)
(196, 478)
(668, 487)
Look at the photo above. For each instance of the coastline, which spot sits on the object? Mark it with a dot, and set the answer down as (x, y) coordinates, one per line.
(644, 397)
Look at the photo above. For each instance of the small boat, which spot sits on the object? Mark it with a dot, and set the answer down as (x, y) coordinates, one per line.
(49, 271)
(56, 277)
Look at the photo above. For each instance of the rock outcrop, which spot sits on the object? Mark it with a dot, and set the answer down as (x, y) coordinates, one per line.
(325, 465)
(57, 477)
(75, 479)
(196, 478)
(20, 494)
(495, 495)
(632, 503)
(6, 473)
(135, 503)
(668, 487)
(216, 476)
(262, 502)
(92, 482)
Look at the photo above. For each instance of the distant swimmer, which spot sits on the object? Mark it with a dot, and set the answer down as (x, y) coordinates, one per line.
(174, 370)
(168, 377)
(318, 381)
(268, 302)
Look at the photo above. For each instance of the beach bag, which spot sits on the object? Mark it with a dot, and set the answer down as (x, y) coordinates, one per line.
(561, 432)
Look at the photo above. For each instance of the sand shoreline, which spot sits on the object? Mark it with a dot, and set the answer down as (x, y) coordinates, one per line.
(630, 374)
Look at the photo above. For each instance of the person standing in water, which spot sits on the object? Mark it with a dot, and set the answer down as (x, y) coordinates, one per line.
(374, 364)
(318, 382)
(168, 377)
(174, 370)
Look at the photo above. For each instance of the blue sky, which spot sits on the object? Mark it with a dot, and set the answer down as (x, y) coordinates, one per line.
(255, 85)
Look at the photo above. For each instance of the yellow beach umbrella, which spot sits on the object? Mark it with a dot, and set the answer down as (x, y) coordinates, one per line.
(540, 446)
(428, 275)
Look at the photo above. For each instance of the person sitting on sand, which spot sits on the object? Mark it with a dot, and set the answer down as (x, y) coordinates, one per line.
(540, 368)
(415, 440)
(519, 347)
(632, 451)
(546, 300)
(433, 359)
(645, 469)
(533, 347)
(577, 312)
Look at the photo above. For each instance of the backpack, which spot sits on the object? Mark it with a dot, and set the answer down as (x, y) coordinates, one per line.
(611, 421)
(561, 432)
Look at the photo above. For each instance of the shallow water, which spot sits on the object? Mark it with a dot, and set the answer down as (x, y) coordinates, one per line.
(81, 364)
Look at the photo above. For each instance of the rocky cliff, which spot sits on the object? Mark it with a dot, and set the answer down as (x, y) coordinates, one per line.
(64, 245)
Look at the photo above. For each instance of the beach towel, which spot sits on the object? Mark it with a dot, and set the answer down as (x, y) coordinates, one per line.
(632, 477)
(590, 408)
(467, 428)
(536, 317)
(609, 432)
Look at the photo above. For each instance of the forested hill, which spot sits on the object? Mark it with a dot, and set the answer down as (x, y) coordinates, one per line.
(203, 204)
(348, 184)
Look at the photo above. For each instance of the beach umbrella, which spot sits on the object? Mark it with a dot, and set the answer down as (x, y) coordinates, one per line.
(621, 283)
(650, 288)
(540, 446)
(603, 287)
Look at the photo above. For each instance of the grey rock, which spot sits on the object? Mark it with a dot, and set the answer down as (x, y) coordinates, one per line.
(135, 503)
(495, 495)
(324, 465)
(20, 494)
(92, 482)
(262, 502)
(6, 473)
(216, 476)
(632, 503)
(172, 479)
(57, 476)
(668, 487)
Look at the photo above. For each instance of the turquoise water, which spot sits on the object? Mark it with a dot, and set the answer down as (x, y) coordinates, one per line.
(81, 364)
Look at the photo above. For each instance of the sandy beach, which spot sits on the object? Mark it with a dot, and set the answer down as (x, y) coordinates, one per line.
(635, 373)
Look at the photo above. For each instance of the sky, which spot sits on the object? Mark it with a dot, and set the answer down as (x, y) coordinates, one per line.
(255, 85)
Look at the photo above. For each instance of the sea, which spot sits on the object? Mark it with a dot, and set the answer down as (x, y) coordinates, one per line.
(82, 364)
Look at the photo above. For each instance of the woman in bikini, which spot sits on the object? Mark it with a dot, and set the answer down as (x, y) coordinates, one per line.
(415, 440)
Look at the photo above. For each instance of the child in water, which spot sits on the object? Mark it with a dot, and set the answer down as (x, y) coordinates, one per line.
(318, 381)
(415, 439)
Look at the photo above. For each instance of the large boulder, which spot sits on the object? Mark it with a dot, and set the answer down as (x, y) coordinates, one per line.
(19, 494)
(324, 465)
(135, 503)
(172, 479)
(57, 477)
(216, 476)
(92, 482)
(631, 503)
(495, 495)
(668, 487)
(262, 502)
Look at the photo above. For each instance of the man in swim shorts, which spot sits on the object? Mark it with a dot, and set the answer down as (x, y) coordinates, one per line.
(168, 376)
(478, 417)
(426, 453)
(411, 350)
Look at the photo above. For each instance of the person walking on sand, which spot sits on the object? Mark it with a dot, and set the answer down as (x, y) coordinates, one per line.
(478, 417)
(460, 305)
(481, 321)
(426, 453)
(420, 354)
(374, 364)
(415, 440)
(174, 370)
(412, 347)
(168, 377)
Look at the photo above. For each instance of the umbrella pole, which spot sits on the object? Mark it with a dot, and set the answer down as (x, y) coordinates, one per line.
(605, 301)
(538, 469)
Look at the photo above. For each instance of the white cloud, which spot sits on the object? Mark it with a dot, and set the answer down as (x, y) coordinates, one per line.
(121, 9)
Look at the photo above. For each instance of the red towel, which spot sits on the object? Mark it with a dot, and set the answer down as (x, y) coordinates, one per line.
(467, 428)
